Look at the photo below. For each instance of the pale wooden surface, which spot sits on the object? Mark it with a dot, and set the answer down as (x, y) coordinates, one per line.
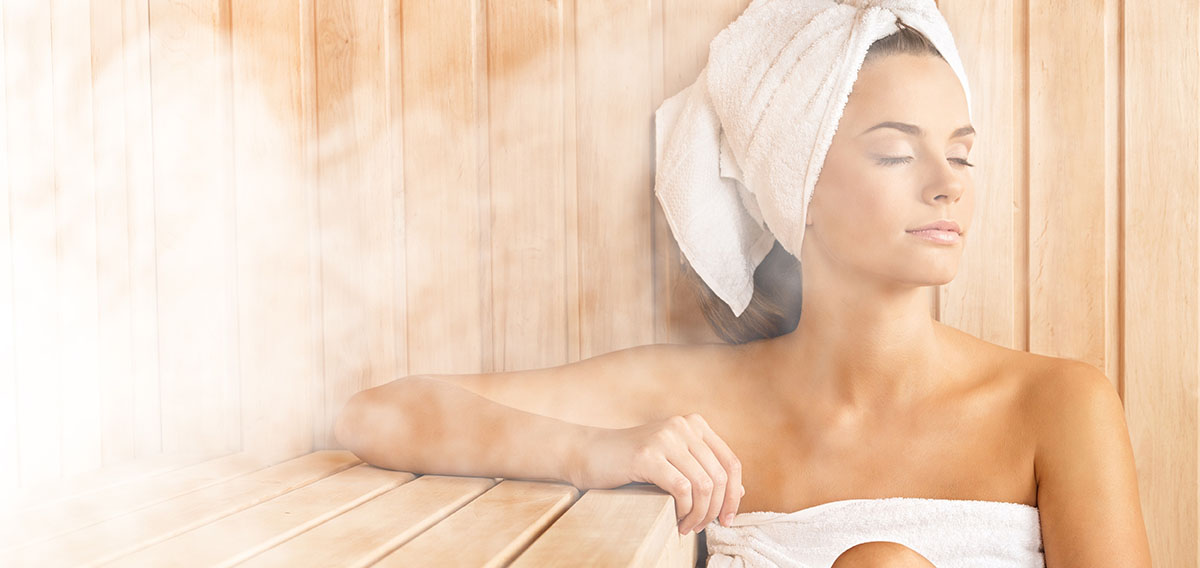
(327, 508)
(219, 218)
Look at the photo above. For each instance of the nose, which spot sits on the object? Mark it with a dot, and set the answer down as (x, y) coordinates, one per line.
(948, 183)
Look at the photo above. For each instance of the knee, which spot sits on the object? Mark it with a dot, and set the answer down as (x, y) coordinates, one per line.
(881, 554)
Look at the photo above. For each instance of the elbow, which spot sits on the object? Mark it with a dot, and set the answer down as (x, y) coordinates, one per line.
(347, 428)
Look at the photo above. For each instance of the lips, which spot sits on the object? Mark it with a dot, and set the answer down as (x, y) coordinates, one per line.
(940, 225)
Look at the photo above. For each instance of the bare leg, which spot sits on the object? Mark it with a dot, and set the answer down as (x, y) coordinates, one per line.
(881, 554)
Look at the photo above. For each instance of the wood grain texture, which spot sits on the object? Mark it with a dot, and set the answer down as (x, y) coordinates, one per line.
(649, 535)
(444, 194)
(248, 532)
(1162, 268)
(277, 357)
(525, 125)
(490, 530)
(614, 190)
(357, 222)
(1067, 150)
(362, 536)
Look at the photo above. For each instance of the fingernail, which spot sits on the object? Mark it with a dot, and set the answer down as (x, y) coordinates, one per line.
(728, 518)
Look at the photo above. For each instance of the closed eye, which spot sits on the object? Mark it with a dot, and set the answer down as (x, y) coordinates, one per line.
(907, 159)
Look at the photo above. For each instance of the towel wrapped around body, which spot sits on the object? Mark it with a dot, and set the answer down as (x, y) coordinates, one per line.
(951, 533)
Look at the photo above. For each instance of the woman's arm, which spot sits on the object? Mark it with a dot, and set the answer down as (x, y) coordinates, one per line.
(514, 424)
(425, 425)
(1087, 484)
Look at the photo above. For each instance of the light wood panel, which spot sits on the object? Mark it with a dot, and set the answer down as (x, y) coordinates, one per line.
(114, 367)
(525, 126)
(369, 532)
(251, 531)
(194, 223)
(491, 530)
(273, 178)
(75, 207)
(1067, 150)
(121, 535)
(357, 217)
(144, 403)
(1161, 267)
(445, 190)
(34, 237)
(613, 149)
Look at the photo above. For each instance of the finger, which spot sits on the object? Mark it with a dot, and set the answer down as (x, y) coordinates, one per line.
(734, 489)
(686, 463)
(667, 476)
(712, 466)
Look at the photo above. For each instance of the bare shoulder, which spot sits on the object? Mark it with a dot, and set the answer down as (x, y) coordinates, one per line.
(1045, 383)
(1087, 488)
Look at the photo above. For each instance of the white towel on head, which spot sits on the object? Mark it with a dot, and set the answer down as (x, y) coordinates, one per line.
(950, 533)
(740, 150)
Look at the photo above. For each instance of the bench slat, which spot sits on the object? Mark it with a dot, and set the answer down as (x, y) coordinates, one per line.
(125, 472)
(35, 525)
(640, 531)
(366, 533)
(491, 530)
(248, 532)
(122, 535)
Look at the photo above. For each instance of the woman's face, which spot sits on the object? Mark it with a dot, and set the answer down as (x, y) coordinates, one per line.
(877, 184)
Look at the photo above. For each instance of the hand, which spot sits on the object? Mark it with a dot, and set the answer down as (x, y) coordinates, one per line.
(681, 454)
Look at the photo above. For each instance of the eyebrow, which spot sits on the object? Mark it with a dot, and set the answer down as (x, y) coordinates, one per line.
(916, 130)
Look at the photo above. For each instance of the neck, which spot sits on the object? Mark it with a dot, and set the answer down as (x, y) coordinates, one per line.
(863, 347)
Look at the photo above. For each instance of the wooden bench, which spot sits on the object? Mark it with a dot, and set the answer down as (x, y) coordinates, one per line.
(327, 508)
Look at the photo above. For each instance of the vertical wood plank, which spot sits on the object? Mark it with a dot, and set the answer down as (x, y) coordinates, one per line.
(9, 464)
(277, 364)
(356, 203)
(1162, 268)
(980, 299)
(687, 30)
(34, 238)
(443, 209)
(394, 58)
(615, 147)
(75, 195)
(194, 218)
(143, 240)
(571, 181)
(1067, 185)
(525, 74)
(114, 363)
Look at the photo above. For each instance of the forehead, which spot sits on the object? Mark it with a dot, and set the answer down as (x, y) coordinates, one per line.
(907, 88)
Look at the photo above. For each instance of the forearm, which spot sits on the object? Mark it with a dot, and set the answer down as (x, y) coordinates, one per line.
(424, 425)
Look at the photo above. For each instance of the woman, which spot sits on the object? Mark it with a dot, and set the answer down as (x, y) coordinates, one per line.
(857, 395)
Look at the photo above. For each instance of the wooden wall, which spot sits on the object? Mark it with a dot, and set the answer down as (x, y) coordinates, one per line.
(221, 218)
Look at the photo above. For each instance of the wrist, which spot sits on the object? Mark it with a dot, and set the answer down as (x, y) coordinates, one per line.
(578, 440)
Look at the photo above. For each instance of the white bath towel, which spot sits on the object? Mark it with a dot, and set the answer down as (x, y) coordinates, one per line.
(740, 150)
(951, 533)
